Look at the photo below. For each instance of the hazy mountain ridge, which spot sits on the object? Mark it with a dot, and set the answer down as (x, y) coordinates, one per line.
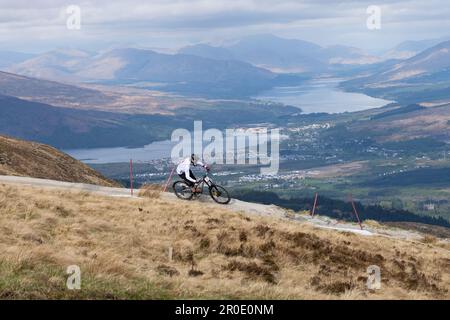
(408, 49)
(242, 69)
(283, 55)
(238, 70)
(167, 72)
(432, 60)
(59, 64)
(424, 78)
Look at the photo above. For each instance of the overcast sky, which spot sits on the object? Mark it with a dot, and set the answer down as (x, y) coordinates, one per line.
(35, 26)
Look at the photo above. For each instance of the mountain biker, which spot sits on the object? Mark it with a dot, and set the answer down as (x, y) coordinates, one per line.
(185, 172)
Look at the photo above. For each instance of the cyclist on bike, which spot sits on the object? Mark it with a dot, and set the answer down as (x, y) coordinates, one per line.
(185, 172)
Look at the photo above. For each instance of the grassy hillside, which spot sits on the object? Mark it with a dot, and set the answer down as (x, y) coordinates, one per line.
(51, 92)
(68, 128)
(30, 159)
(121, 246)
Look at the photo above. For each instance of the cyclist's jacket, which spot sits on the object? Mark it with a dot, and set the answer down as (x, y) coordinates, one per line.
(185, 167)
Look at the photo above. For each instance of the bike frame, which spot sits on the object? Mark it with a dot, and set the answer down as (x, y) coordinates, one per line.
(205, 180)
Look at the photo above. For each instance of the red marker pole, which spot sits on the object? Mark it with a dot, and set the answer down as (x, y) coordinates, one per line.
(314, 206)
(168, 180)
(355, 211)
(131, 176)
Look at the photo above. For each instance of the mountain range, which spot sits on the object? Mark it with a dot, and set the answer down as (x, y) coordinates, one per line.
(283, 55)
(423, 78)
(408, 49)
(237, 70)
(59, 64)
(184, 73)
(265, 51)
(429, 61)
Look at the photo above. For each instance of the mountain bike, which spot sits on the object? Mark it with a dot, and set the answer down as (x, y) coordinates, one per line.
(218, 193)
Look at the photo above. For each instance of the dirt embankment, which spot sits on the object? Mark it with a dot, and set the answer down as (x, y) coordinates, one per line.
(31, 159)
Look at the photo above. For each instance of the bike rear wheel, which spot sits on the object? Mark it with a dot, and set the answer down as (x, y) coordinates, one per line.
(219, 194)
(182, 190)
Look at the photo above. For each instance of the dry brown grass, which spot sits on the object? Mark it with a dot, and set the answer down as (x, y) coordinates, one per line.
(373, 223)
(429, 239)
(150, 191)
(122, 247)
(36, 160)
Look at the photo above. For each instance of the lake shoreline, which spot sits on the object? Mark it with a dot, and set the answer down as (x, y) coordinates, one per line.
(322, 95)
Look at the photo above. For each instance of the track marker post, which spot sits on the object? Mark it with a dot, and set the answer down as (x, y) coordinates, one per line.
(169, 179)
(131, 176)
(314, 205)
(355, 211)
(170, 254)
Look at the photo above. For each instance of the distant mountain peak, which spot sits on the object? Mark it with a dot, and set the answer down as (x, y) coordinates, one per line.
(283, 55)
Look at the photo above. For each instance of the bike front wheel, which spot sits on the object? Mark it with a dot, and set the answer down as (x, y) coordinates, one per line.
(219, 194)
(182, 190)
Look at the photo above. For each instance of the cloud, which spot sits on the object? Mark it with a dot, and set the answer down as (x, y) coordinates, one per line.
(175, 22)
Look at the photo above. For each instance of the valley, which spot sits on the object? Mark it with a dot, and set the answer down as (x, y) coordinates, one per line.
(72, 116)
(355, 124)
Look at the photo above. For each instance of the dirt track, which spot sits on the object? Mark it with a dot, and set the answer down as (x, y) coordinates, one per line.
(235, 205)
